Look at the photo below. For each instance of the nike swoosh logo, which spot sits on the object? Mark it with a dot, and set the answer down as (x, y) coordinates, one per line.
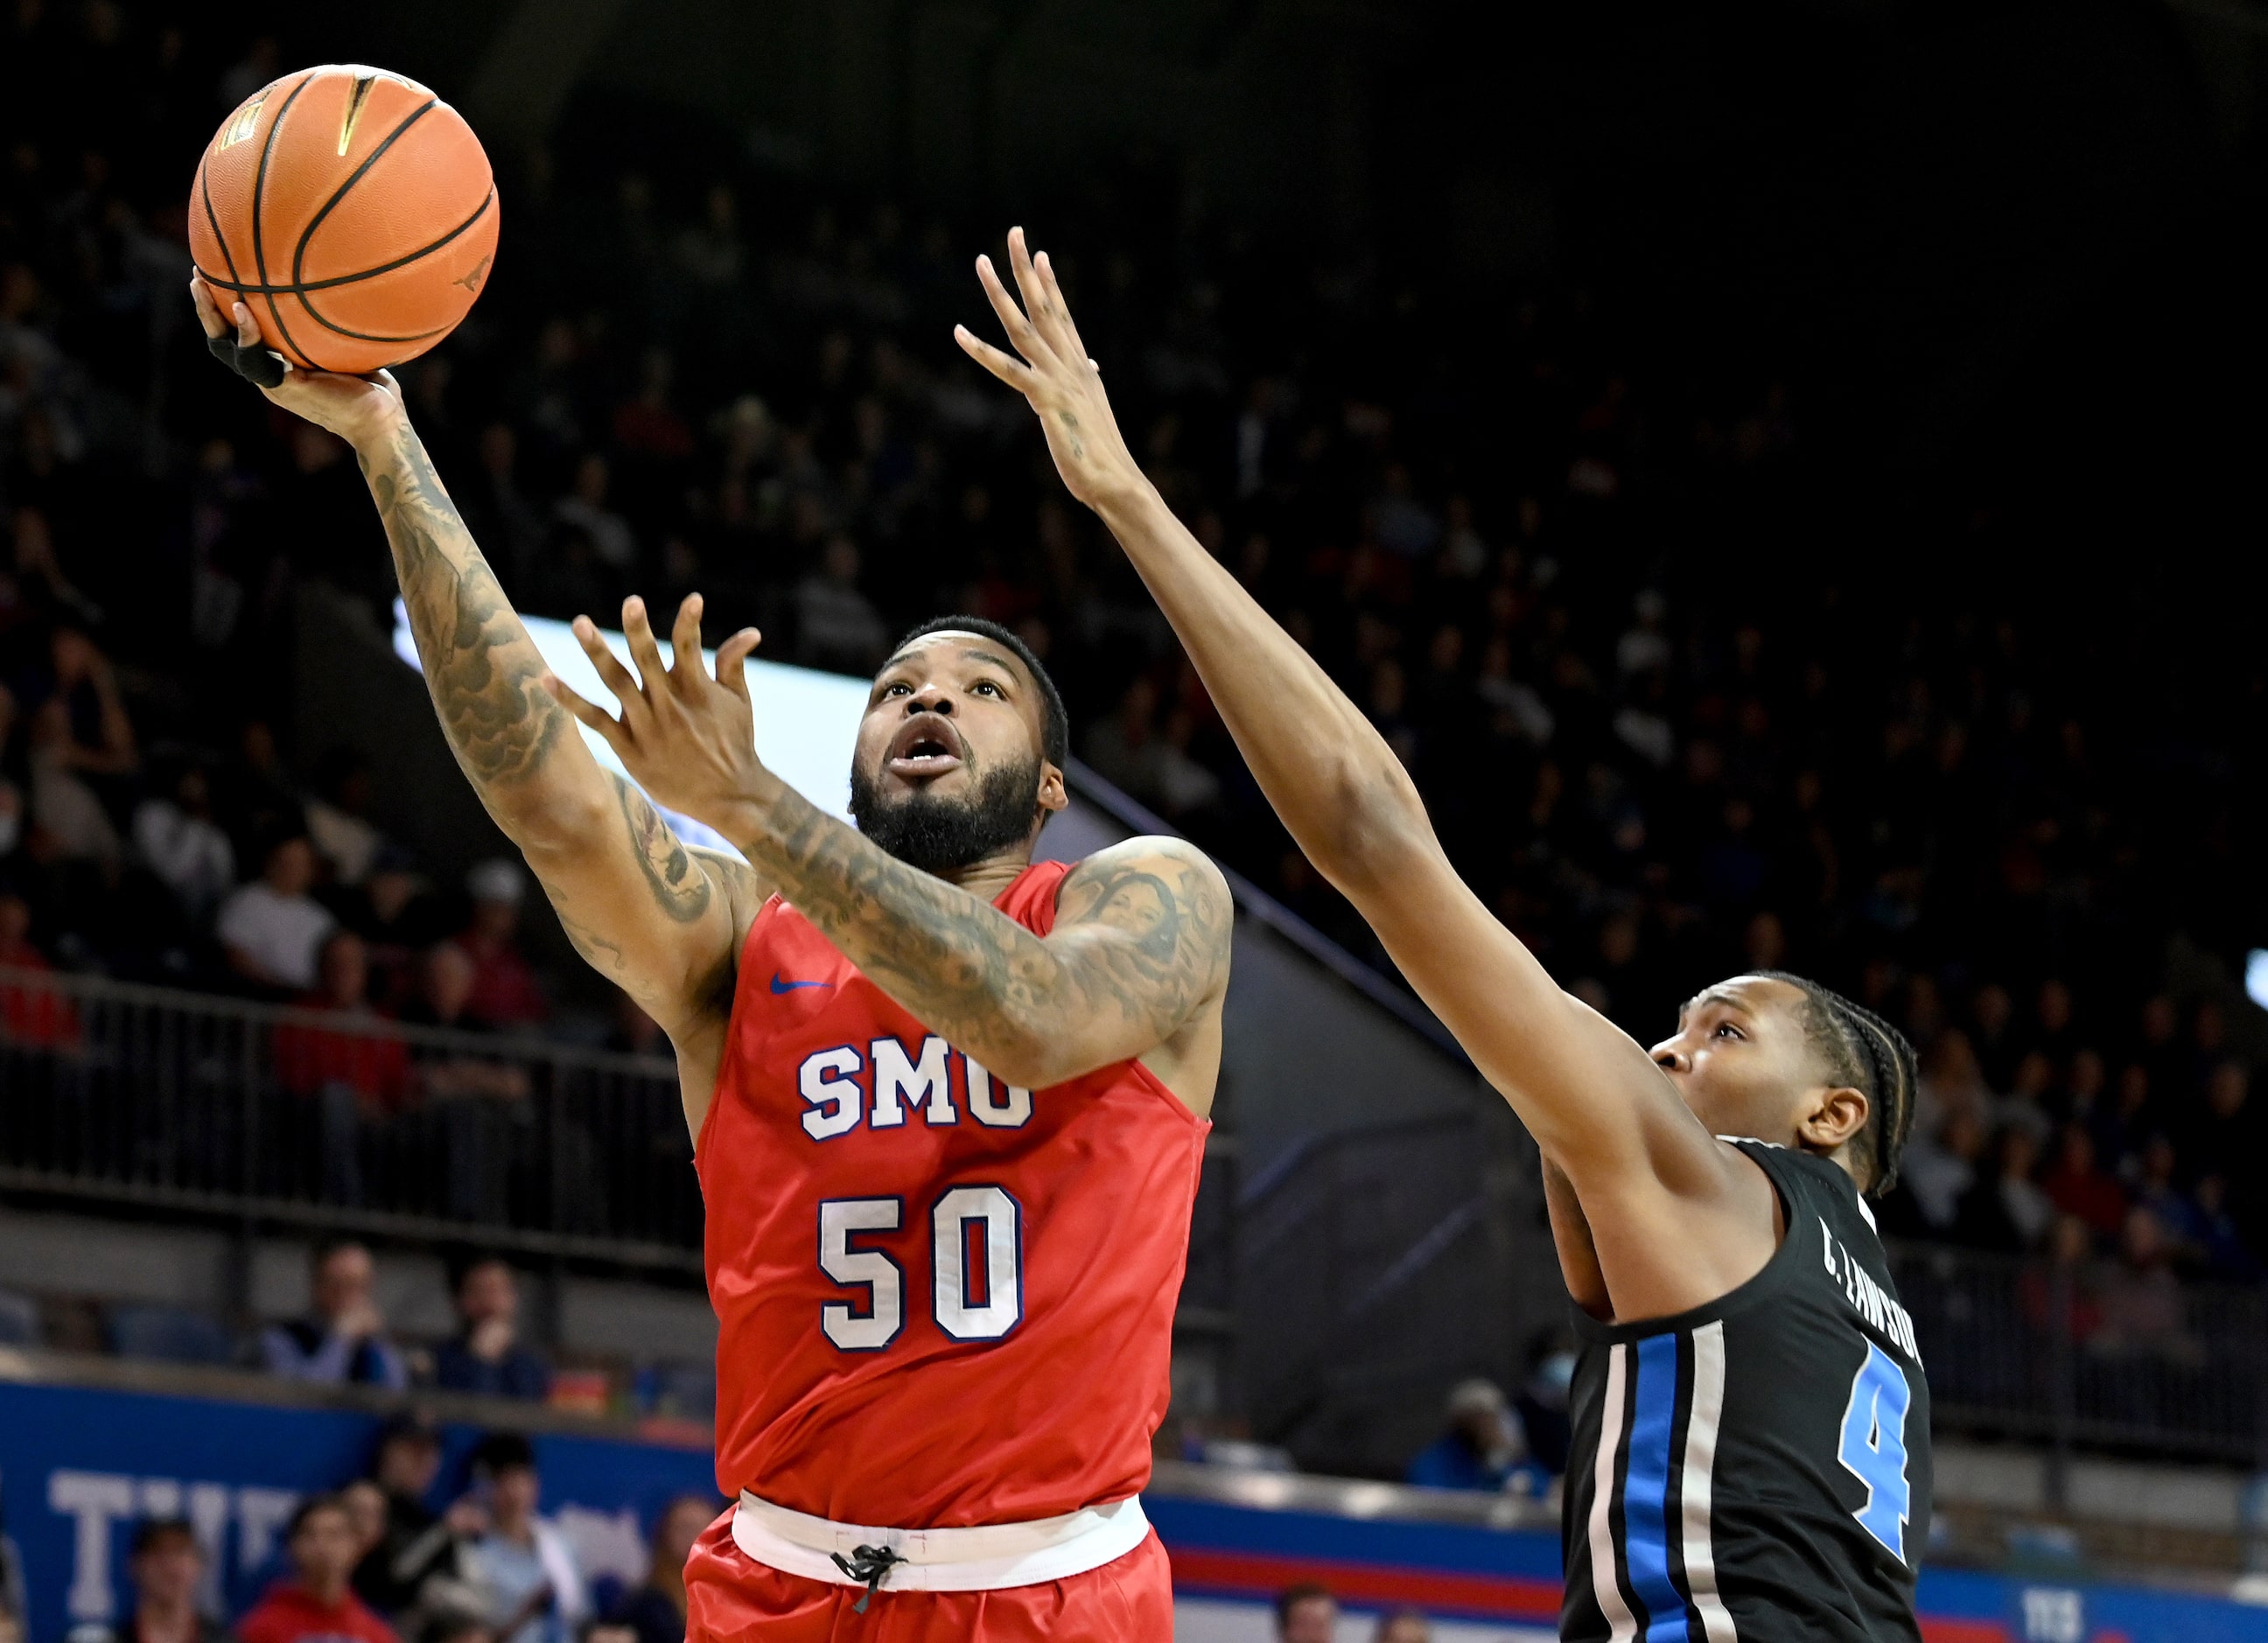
(779, 986)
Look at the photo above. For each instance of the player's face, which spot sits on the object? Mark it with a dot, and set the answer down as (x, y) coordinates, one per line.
(1741, 1058)
(943, 711)
(948, 767)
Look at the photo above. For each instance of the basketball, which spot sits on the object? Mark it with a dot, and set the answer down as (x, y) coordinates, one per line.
(352, 210)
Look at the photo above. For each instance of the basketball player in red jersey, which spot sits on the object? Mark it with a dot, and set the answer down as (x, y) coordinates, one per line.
(948, 1104)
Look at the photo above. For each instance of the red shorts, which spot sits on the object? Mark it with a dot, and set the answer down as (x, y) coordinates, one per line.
(731, 1597)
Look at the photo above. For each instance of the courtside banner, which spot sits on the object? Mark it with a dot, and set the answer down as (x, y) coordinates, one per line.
(78, 1467)
(1493, 1586)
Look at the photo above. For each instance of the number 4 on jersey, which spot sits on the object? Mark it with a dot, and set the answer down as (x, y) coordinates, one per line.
(1873, 1449)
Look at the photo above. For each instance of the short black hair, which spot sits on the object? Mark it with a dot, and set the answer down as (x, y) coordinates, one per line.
(1055, 731)
(1867, 1053)
(504, 1452)
(1292, 1596)
(153, 1532)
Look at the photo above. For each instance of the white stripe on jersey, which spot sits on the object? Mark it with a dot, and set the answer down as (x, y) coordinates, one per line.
(1606, 1585)
(1700, 1468)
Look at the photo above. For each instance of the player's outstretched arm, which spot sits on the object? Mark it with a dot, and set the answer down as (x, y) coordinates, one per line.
(1138, 957)
(657, 917)
(1598, 1106)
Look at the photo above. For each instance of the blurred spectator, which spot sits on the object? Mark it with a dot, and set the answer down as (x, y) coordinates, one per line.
(2224, 1251)
(585, 511)
(529, 1588)
(2076, 1186)
(397, 917)
(837, 627)
(343, 838)
(1484, 1447)
(255, 797)
(179, 841)
(369, 1068)
(418, 1544)
(1404, 1625)
(2142, 1308)
(1940, 1166)
(31, 1012)
(1306, 1613)
(15, 1596)
(1542, 1401)
(165, 1566)
(343, 1339)
(486, 1354)
(271, 929)
(364, 1503)
(655, 1611)
(2005, 1211)
(315, 1603)
(503, 993)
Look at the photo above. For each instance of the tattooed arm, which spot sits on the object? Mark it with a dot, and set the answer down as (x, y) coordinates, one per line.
(1135, 967)
(660, 920)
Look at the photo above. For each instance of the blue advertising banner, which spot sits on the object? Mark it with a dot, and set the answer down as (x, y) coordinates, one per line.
(78, 1467)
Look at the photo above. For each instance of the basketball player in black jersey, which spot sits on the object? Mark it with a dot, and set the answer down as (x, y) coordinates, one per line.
(1751, 1444)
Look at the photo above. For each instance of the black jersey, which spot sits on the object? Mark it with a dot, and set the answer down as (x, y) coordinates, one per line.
(1756, 1469)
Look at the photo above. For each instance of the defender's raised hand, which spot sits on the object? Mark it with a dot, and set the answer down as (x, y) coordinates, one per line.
(1063, 385)
(687, 738)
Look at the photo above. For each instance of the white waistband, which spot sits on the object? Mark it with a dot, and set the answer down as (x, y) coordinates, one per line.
(982, 1558)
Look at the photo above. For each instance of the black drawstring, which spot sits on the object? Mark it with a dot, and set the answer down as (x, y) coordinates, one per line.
(866, 1564)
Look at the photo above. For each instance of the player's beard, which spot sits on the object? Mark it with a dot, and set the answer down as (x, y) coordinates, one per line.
(942, 836)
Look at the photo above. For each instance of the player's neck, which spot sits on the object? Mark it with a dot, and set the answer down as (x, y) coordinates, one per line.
(986, 878)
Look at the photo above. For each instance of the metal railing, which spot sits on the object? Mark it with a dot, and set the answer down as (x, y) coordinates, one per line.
(148, 1097)
(1371, 1277)
(2096, 1356)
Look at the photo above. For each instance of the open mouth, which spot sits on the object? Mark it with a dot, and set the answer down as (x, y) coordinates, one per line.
(927, 746)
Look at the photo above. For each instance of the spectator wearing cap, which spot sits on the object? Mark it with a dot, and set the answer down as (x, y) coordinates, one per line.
(503, 993)
(529, 1588)
(418, 1545)
(486, 1355)
(342, 1341)
(315, 1603)
(656, 1610)
(165, 1565)
(271, 929)
(1482, 1447)
(1306, 1613)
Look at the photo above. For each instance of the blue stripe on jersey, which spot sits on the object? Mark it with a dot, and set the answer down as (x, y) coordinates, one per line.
(1645, 1491)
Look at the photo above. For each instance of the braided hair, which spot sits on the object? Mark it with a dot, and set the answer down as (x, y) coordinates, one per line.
(1867, 1053)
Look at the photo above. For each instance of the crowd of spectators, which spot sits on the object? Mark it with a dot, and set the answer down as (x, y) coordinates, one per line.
(379, 1561)
(1667, 724)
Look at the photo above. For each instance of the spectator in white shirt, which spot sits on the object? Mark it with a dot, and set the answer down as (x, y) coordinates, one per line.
(272, 930)
(182, 846)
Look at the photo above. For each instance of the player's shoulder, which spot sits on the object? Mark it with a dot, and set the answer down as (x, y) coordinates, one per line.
(1176, 867)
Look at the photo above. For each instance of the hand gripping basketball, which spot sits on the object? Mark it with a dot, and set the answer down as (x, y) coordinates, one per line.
(253, 361)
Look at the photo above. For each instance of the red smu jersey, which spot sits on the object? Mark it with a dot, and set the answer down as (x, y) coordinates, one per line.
(943, 1300)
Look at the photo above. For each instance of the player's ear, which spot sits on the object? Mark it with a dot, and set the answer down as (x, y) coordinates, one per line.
(1832, 1115)
(1053, 795)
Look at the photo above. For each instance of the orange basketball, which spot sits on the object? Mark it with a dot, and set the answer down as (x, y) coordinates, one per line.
(351, 210)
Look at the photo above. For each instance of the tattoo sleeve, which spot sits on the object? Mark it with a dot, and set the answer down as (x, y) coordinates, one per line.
(483, 672)
(982, 979)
